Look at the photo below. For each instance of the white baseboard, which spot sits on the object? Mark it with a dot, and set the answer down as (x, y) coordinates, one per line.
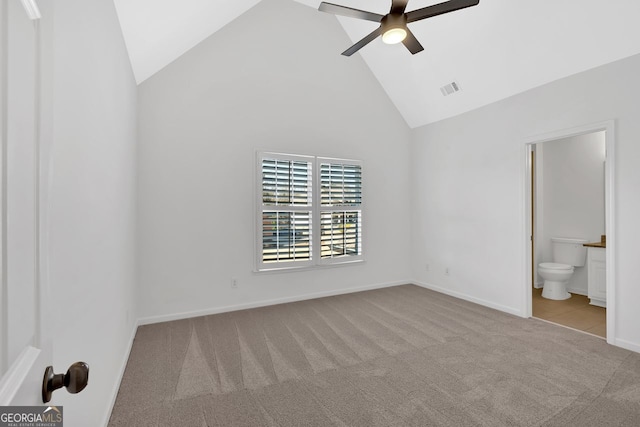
(627, 345)
(470, 298)
(123, 366)
(263, 303)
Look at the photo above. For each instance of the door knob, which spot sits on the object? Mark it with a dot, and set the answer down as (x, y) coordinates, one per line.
(75, 380)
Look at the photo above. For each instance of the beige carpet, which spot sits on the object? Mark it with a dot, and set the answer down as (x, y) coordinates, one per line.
(402, 356)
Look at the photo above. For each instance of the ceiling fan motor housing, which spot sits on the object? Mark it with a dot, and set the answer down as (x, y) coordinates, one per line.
(392, 20)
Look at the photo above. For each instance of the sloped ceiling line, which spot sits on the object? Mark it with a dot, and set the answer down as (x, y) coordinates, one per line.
(494, 50)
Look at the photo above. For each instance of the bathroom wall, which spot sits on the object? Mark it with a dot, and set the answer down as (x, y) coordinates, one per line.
(570, 196)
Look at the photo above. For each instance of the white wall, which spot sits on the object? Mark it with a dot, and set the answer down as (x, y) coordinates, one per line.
(468, 175)
(572, 195)
(261, 82)
(91, 205)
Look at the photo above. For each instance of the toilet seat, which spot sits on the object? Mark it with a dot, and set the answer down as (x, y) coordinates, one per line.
(555, 266)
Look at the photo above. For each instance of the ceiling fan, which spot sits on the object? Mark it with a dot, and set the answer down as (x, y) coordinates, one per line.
(393, 25)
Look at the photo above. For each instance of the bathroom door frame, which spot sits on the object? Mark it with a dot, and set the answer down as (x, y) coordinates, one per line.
(609, 189)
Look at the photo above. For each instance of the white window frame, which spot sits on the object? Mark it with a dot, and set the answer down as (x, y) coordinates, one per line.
(315, 209)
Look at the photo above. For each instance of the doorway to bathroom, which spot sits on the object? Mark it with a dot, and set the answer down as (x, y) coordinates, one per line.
(569, 177)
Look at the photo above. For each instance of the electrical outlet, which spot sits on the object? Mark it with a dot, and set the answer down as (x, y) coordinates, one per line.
(426, 267)
(234, 283)
(446, 271)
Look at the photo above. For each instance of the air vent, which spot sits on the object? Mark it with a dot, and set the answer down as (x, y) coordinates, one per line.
(452, 87)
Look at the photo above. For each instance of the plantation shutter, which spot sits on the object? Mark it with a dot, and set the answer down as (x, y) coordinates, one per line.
(287, 198)
(340, 209)
(309, 211)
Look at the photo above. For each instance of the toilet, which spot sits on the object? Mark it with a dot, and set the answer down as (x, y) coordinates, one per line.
(567, 254)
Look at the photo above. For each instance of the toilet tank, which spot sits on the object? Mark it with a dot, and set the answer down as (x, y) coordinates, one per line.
(569, 251)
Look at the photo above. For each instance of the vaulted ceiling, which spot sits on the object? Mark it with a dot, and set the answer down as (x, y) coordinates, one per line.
(494, 50)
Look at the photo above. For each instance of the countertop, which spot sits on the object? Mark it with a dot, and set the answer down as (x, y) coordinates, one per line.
(595, 245)
(601, 244)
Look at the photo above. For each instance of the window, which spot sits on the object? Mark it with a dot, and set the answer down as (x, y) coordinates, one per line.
(340, 214)
(287, 201)
(310, 211)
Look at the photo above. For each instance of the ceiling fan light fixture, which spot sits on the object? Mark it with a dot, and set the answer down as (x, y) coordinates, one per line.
(394, 28)
(394, 35)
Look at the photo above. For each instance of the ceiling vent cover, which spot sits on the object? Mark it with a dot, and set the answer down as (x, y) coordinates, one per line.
(450, 88)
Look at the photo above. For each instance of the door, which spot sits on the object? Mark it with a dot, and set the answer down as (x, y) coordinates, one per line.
(25, 348)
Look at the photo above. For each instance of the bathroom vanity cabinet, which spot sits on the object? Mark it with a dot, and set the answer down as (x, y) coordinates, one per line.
(597, 276)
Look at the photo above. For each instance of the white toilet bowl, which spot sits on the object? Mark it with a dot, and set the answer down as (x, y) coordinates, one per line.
(555, 277)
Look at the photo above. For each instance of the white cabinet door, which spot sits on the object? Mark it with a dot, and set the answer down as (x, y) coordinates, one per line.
(597, 276)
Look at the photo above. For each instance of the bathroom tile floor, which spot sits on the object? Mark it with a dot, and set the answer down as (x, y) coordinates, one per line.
(575, 312)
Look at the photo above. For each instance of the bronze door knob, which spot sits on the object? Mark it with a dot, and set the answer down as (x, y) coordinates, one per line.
(75, 380)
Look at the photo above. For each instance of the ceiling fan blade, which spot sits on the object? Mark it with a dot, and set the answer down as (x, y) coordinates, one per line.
(412, 43)
(349, 11)
(398, 6)
(439, 9)
(362, 43)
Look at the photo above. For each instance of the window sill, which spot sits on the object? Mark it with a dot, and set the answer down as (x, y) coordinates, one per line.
(315, 267)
